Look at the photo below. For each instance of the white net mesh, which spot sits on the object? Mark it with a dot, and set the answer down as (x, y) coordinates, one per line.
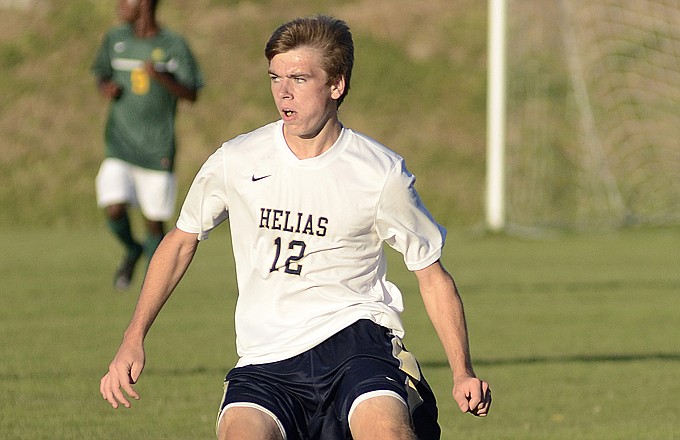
(593, 113)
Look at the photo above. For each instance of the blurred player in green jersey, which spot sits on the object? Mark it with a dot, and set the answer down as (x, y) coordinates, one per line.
(143, 69)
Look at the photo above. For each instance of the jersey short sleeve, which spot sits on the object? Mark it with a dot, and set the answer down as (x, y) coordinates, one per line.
(405, 224)
(186, 70)
(205, 206)
(101, 65)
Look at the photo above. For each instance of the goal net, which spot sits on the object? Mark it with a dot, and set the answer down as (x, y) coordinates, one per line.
(593, 113)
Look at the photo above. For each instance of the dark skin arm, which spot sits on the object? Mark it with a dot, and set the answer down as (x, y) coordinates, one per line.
(109, 89)
(112, 90)
(169, 82)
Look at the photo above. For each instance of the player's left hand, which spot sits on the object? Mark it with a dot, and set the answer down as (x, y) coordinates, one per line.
(472, 395)
(123, 373)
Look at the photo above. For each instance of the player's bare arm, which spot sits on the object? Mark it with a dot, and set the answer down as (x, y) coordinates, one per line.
(445, 309)
(169, 82)
(168, 265)
(108, 88)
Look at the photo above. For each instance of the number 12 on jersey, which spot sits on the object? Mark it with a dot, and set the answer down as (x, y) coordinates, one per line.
(291, 265)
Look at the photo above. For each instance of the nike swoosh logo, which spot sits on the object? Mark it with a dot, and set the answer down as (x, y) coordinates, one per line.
(255, 179)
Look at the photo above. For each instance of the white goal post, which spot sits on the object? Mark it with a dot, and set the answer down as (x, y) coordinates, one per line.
(495, 132)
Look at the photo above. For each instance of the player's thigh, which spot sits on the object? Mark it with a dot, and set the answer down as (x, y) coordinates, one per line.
(247, 423)
(156, 193)
(384, 417)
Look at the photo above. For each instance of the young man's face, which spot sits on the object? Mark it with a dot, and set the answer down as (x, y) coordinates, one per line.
(128, 10)
(303, 97)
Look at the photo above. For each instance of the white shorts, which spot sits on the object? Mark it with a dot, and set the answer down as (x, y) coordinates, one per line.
(154, 192)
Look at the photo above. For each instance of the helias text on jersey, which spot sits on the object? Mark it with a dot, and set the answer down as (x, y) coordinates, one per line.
(297, 222)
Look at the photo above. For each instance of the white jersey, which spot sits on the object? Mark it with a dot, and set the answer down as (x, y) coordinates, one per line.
(307, 236)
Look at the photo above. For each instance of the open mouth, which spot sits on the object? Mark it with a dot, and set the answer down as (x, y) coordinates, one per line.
(288, 113)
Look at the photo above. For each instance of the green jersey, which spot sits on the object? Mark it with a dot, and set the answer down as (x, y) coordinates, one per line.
(140, 128)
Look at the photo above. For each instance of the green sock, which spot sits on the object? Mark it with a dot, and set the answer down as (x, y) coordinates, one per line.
(151, 244)
(121, 229)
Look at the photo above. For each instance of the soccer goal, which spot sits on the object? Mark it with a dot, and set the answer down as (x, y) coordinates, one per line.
(584, 113)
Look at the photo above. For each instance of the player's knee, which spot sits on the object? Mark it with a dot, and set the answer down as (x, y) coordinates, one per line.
(244, 423)
(155, 227)
(384, 417)
(115, 212)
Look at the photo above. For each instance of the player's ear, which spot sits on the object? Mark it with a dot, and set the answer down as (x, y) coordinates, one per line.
(338, 88)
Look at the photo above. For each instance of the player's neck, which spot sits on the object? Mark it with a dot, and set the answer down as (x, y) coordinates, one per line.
(145, 26)
(307, 147)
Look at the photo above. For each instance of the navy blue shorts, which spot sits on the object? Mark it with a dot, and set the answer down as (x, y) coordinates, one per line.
(311, 395)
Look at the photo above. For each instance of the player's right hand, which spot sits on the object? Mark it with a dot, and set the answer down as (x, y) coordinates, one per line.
(123, 372)
(110, 89)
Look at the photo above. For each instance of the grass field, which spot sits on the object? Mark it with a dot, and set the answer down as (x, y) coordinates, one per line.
(578, 336)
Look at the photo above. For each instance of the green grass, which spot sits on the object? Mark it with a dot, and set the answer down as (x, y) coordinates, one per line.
(577, 334)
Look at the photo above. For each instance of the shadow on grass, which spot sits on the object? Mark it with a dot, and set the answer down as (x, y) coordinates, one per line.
(533, 360)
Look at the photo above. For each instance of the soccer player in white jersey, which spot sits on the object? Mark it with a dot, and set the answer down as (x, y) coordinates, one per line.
(310, 203)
